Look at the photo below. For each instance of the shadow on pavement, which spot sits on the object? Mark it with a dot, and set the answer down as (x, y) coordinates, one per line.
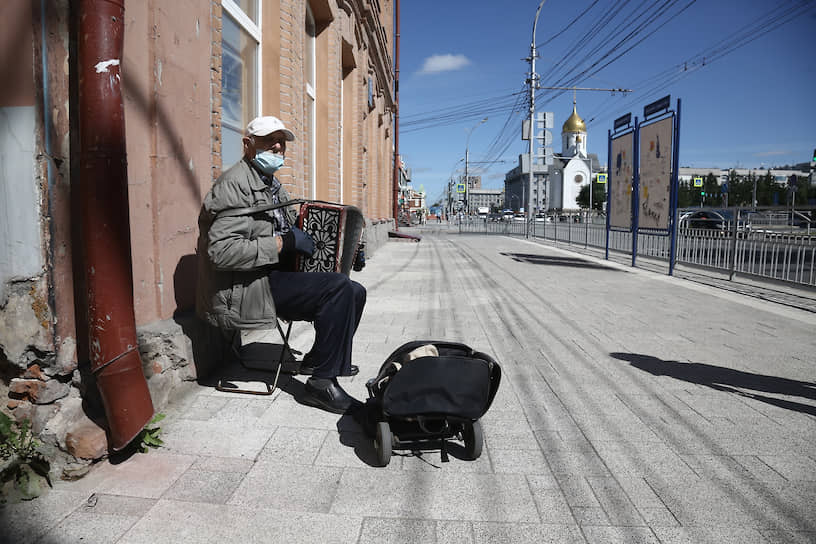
(353, 436)
(729, 380)
(556, 261)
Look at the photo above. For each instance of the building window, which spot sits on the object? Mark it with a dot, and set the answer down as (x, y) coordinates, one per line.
(240, 39)
(310, 61)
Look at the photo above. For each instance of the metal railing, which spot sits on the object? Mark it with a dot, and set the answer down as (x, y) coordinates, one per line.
(764, 243)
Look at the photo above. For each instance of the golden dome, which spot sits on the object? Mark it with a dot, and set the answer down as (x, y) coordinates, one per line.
(574, 123)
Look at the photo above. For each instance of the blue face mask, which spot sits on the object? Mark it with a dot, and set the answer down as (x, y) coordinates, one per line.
(268, 162)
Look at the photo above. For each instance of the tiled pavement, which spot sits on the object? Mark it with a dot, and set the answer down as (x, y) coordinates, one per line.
(634, 408)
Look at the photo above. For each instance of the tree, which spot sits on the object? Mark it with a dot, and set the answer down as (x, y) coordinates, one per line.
(684, 196)
(740, 190)
(768, 192)
(598, 196)
(805, 193)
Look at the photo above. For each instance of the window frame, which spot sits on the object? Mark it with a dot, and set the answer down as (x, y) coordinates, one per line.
(311, 92)
(246, 24)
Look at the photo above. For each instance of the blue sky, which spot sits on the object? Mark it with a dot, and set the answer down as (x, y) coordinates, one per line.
(462, 60)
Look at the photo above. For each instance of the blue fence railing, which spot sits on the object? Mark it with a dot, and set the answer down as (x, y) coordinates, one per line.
(771, 244)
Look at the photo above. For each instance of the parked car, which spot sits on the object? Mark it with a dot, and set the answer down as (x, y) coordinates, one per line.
(703, 219)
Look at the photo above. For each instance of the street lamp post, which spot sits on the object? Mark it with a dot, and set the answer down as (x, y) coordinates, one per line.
(533, 86)
(467, 179)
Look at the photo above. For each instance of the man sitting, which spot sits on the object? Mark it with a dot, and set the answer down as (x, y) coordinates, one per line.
(243, 283)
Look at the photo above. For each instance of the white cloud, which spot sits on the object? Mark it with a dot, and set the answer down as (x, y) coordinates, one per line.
(443, 63)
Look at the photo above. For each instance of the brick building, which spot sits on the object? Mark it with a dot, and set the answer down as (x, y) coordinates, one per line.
(192, 74)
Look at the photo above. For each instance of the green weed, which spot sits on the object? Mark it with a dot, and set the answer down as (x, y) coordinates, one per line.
(149, 437)
(24, 469)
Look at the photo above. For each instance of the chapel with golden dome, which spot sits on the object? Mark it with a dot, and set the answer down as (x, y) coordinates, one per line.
(573, 135)
(573, 168)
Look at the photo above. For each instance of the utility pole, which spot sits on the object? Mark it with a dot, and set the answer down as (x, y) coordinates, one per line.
(533, 86)
(467, 182)
(467, 160)
(753, 194)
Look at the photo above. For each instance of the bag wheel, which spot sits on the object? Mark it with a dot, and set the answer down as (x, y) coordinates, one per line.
(382, 444)
(474, 439)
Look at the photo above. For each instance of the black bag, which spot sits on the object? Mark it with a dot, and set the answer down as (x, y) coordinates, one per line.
(444, 386)
(439, 395)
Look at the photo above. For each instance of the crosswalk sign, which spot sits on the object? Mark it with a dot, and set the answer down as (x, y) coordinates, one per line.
(460, 187)
(601, 178)
(698, 182)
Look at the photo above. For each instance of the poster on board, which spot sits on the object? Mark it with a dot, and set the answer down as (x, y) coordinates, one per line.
(620, 182)
(655, 174)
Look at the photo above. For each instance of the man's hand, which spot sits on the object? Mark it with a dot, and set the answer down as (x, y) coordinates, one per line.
(299, 241)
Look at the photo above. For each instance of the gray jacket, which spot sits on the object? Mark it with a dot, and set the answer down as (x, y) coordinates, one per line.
(235, 254)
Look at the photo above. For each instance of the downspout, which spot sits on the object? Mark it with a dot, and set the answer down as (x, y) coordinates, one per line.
(105, 223)
(396, 112)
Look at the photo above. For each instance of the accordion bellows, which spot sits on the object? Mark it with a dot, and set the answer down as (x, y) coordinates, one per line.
(336, 230)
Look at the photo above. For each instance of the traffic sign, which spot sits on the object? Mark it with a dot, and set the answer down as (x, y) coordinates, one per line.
(698, 182)
(724, 188)
(601, 178)
(460, 187)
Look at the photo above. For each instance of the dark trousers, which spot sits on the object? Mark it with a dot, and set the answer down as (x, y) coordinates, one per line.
(333, 302)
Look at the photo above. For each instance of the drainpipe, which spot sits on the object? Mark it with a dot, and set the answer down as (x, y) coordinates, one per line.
(396, 113)
(103, 195)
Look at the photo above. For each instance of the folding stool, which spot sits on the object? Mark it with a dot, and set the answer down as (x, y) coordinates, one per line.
(261, 353)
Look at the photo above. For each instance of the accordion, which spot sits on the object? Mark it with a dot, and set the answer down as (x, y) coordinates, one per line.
(336, 229)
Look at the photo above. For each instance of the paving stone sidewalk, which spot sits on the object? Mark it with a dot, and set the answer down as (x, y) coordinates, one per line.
(634, 408)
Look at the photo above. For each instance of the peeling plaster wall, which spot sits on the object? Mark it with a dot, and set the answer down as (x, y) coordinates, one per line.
(23, 306)
(21, 255)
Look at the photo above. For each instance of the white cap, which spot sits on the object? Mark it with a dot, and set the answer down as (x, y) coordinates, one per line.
(261, 126)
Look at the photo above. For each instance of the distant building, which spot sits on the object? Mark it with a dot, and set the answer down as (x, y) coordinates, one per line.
(556, 185)
(574, 168)
(515, 188)
(490, 198)
(687, 174)
(415, 202)
(475, 181)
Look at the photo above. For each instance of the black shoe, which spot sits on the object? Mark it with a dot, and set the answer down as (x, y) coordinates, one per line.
(307, 367)
(330, 397)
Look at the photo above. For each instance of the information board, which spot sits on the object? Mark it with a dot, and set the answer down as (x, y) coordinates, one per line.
(655, 174)
(620, 182)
